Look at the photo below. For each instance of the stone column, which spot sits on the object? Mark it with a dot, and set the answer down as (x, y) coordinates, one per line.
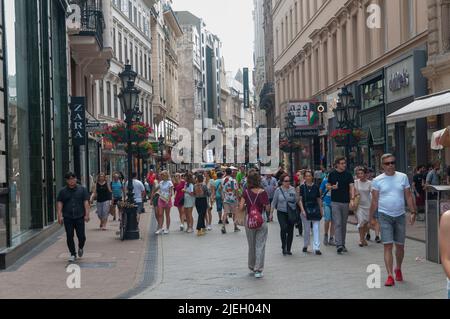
(353, 55)
(340, 51)
(330, 61)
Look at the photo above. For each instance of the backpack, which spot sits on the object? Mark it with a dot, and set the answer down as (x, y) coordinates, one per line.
(255, 219)
(199, 190)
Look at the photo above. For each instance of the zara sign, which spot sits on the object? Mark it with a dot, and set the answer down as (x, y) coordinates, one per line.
(78, 116)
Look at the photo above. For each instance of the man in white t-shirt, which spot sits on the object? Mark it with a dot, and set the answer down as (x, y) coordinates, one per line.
(139, 193)
(389, 191)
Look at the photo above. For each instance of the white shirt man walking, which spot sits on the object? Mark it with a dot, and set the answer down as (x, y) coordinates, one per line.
(389, 191)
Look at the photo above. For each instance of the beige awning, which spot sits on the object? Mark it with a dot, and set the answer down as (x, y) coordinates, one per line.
(430, 105)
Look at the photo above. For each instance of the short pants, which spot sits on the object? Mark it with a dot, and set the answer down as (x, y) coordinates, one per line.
(393, 229)
(327, 216)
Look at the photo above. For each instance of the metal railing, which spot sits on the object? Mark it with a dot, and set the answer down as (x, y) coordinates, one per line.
(92, 23)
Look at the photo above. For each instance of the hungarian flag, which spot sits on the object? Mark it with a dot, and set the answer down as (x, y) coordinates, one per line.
(313, 118)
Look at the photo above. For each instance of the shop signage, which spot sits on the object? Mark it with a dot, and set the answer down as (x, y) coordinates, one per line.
(246, 89)
(95, 126)
(78, 117)
(400, 80)
(306, 133)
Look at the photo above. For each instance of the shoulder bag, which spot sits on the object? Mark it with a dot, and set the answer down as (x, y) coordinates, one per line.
(293, 213)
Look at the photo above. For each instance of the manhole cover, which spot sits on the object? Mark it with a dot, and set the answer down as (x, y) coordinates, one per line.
(100, 265)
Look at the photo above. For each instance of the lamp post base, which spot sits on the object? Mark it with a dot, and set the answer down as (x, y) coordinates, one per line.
(132, 231)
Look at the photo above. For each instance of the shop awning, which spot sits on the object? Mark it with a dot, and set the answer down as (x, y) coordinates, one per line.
(430, 105)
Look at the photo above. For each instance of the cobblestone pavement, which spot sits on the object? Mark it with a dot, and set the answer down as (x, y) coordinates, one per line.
(215, 266)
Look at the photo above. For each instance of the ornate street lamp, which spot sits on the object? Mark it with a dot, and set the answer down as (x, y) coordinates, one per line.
(346, 115)
(129, 96)
(290, 134)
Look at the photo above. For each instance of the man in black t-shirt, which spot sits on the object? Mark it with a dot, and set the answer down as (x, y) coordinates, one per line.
(341, 185)
(73, 211)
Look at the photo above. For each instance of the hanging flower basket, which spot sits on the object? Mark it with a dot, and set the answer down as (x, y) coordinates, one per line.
(117, 134)
(142, 150)
(344, 137)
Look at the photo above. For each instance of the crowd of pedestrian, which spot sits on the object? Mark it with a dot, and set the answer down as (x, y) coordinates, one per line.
(301, 201)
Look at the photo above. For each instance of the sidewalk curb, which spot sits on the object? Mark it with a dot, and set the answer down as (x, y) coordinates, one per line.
(150, 268)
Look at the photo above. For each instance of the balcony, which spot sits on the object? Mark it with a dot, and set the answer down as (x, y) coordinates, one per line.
(87, 40)
(267, 96)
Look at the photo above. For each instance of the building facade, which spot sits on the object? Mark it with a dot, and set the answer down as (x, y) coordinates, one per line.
(259, 72)
(34, 126)
(90, 52)
(322, 46)
(131, 43)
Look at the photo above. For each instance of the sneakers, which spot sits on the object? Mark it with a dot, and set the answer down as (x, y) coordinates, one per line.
(220, 222)
(227, 222)
(398, 275)
(259, 275)
(340, 250)
(378, 240)
(344, 249)
(318, 253)
(209, 228)
(159, 231)
(325, 240)
(224, 230)
(190, 231)
(181, 227)
(368, 236)
(305, 249)
(236, 229)
(166, 232)
(390, 282)
(80, 253)
(72, 259)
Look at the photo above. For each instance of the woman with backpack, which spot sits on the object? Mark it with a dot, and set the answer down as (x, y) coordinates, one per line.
(103, 194)
(285, 196)
(201, 193)
(257, 201)
(312, 211)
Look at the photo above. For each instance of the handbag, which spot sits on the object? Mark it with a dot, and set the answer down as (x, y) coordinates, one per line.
(356, 201)
(293, 213)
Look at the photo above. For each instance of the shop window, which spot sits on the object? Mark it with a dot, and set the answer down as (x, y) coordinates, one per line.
(18, 115)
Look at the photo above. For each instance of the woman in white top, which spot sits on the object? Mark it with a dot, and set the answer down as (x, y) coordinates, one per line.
(165, 189)
(363, 189)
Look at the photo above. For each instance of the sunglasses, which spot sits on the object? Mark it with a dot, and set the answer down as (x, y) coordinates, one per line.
(389, 163)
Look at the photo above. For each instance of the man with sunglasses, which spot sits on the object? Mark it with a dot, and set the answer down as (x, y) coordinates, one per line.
(389, 191)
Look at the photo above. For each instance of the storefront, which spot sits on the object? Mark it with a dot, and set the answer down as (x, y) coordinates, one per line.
(372, 119)
(34, 152)
(404, 83)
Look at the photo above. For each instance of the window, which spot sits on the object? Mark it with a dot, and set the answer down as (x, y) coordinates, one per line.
(136, 59)
(130, 10)
(135, 15)
(131, 53)
(114, 43)
(102, 98)
(108, 99)
(126, 50)
(120, 48)
(140, 63)
(296, 17)
(116, 102)
(145, 67)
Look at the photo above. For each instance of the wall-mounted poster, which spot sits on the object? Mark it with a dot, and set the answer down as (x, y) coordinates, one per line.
(305, 117)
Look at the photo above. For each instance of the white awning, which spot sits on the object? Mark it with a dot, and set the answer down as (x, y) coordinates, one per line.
(430, 105)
